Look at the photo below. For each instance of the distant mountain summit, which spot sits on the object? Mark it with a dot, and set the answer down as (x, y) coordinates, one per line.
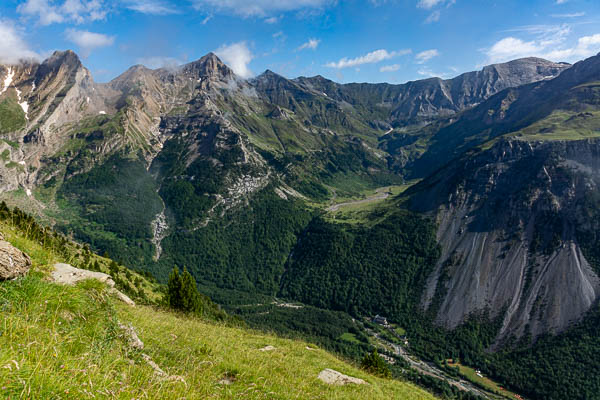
(422, 101)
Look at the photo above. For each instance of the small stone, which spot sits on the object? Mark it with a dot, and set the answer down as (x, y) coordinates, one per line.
(227, 379)
(267, 348)
(132, 338)
(333, 377)
(157, 370)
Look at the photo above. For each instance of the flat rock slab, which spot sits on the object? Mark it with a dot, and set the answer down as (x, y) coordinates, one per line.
(69, 275)
(333, 377)
(13, 262)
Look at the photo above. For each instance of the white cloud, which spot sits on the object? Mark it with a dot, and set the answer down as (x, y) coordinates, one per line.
(206, 19)
(153, 7)
(160, 62)
(260, 8)
(561, 1)
(571, 15)
(390, 68)
(311, 44)
(510, 48)
(426, 72)
(77, 11)
(429, 4)
(88, 41)
(237, 56)
(272, 20)
(12, 46)
(426, 55)
(586, 46)
(433, 17)
(370, 58)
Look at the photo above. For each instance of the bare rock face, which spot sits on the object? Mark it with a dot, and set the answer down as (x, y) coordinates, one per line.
(333, 377)
(13, 262)
(69, 275)
(517, 229)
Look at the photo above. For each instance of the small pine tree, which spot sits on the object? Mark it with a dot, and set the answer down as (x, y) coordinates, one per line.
(190, 298)
(182, 292)
(174, 289)
(113, 267)
(375, 365)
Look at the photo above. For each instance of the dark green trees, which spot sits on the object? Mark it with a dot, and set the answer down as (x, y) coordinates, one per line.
(375, 365)
(182, 292)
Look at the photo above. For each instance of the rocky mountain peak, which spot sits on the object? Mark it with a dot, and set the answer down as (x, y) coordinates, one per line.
(209, 66)
(67, 58)
(269, 76)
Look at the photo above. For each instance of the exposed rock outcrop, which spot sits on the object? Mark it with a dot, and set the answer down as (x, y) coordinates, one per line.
(333, 377)
(68, 275)
(13, 262)
(514, 223)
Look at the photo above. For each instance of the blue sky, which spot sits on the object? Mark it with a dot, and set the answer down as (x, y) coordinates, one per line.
(344, 40)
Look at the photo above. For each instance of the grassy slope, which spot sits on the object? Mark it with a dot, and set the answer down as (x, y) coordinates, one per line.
(12, 116)
(64, 342)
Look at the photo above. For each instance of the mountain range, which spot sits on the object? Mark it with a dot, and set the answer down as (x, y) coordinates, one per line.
(264, 187)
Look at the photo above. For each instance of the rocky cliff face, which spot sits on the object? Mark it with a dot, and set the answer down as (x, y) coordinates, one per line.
(58, 116)
(516, 224)
(574, 91)
(422, 101)
(51, 96)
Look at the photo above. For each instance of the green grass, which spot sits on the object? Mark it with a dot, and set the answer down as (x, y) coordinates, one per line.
(470, 374)
(349, 337)
(13, 164)
(561, 125)
(12, 144)
(203, 353)
(12, 117)
(358, 210)
(400, 331)
(60, 342)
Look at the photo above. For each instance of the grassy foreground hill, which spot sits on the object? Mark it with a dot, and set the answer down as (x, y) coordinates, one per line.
(66, 342)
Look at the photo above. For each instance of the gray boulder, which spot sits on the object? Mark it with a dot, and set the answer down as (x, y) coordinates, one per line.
(69, 275)
(13, 262)
(66, 274)
(333, 377)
